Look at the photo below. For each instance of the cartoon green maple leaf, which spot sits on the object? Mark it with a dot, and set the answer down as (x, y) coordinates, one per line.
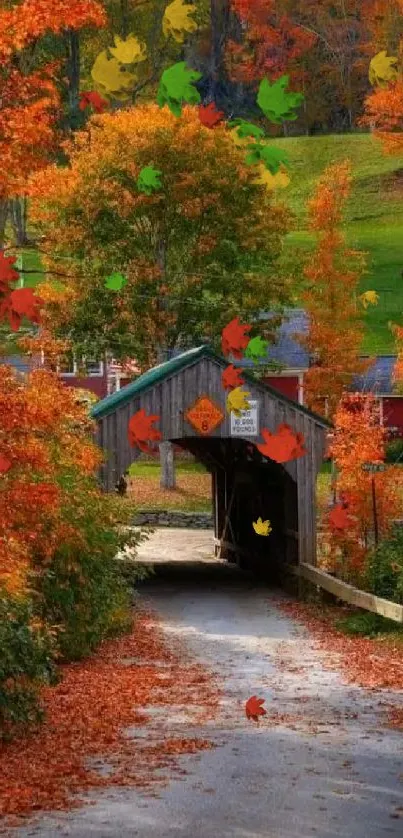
(246, 129)
(115, 282)
(256, 348)
(149, 180)
(276, 103)
(177, 86)
(271, 156)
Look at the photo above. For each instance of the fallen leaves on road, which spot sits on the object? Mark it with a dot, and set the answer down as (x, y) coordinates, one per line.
(370, 663)
(87, 717)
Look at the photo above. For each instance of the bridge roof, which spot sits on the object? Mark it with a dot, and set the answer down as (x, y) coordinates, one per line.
(165, 370)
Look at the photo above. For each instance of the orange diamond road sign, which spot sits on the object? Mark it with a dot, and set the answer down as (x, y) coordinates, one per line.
(204, 415)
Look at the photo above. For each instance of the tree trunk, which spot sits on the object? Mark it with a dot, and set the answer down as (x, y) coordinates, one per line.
(4, 209)
(18, 218)
(73, 75)
(167, 461)
(124, 12)
(219, 16)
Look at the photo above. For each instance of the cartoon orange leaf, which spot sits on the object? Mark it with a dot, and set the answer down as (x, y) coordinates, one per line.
(93, 99)
(5, 464)
(22, 302)
(254, 709)
(231, 378)
(209, 115)
(7, 271)
(141, 433)
(234, 338)
(283, 446)
(339, 519)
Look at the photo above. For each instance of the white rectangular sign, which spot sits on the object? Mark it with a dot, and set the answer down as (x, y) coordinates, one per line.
(247, 424)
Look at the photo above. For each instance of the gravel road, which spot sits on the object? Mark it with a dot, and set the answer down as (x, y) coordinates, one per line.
(332, 769)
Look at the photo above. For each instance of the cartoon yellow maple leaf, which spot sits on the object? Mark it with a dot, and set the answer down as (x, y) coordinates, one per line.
(128, 51)
(237, 400)
(176, 21)
(277, 181)
(262, 527)
(381, 68)
(369, 298)
(109, 74)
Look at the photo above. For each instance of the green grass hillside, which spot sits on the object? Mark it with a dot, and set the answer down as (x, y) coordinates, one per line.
(374, 219)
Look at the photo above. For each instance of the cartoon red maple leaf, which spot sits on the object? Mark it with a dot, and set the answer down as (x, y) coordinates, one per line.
(232, 378)
(7, 271)
(141, 433)
(339, 518)
(91, 97)
(282, 446)
(234, 338)
(22, 302)
(254, 709)
(5, 464)
(209, 115)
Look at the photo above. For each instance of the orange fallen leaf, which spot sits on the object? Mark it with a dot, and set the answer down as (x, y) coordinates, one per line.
(254, 709)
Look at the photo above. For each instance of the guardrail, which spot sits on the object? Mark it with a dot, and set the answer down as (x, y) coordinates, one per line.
(349, 594)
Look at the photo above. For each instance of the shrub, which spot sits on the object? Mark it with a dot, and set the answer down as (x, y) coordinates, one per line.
(27, 652)
(384, 573)
(394, 451)
(367, 624)
(83, 591)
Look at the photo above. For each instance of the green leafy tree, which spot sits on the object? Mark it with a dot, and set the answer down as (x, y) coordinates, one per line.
(196, 252)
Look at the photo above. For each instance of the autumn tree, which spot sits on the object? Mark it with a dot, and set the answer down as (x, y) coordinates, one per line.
(358, 438)
(333, 273)
(198, 249)
(270, 41)
(321, 44)
(384, 106)
(29, 92)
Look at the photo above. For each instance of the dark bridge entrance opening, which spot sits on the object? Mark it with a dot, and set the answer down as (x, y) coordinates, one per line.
(246, 486)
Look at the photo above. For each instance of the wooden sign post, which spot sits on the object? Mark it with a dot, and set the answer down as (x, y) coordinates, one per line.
(373, 468)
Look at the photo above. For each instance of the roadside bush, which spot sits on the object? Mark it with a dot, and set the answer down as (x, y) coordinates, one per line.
(84, 592)
(394, 451)
(367, 624)
(384, 575)
(27, 654)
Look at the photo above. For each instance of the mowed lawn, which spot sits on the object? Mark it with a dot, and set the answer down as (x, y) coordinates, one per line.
(192, 492)
(374, 220)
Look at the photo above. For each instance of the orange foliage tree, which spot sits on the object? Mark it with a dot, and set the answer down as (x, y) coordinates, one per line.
(384, 106)
(198, 250)
(333, 273)
(270, 42)
(43, 436)
(359, 438)
(28, 94)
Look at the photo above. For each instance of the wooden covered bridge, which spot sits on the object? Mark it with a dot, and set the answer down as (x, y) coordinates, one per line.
(187, 394)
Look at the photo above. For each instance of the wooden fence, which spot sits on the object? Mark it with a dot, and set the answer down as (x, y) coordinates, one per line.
(349, 594)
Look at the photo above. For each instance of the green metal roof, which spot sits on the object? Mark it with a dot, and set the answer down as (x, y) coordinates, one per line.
(159, 373)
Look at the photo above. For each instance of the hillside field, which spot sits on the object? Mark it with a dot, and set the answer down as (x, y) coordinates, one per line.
(374, 221)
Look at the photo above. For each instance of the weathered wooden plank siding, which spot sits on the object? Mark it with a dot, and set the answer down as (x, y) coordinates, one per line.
(170, 400)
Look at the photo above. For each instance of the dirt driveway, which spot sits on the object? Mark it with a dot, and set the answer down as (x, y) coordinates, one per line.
(327, 767)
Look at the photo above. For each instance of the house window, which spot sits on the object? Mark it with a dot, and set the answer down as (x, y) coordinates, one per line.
(68, 365)
(93, 367)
